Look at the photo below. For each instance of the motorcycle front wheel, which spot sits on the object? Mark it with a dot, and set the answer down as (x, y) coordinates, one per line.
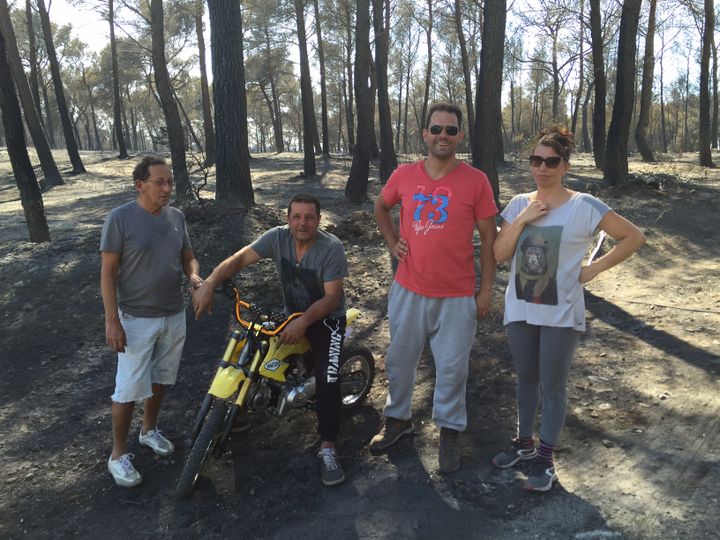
(202, 449)
(357, 372)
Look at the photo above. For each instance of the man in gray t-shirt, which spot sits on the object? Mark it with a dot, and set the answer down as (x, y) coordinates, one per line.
(312, 265)
(144, 249)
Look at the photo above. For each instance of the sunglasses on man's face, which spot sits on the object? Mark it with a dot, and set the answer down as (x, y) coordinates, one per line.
(450, 130)
(550, 162)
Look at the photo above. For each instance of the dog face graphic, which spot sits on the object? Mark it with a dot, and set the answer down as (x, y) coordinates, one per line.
(534, 256)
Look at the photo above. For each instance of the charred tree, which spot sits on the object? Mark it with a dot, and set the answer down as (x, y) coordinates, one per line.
(489, 93)
(204, 87)
(117, 100)
(466, 71)
(176, 137)
(600, 82)
(67, 125)
(323, 85)
(381, 17)
(705, 123)
(356, 188)
(30, 196)
(616, 165)
(641, 131)
(32, 119)
(234, 186)
(308, 110)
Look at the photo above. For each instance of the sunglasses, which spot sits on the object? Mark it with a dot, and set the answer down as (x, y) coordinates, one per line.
(450, 130)
(550, 162)
(297, 272)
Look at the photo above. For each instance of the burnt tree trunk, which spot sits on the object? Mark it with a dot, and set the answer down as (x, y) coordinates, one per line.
(176, 137)
(309, 124)
(234, 186)
(32, 119)
(600, 82)
(489, 92)
(117, 103)
(641, 131)
(30, 196)
(388, 159)
(356, 188)
(704, 130)
(466, 72)
(616, 165)
(32, 60)
(67, 125)
(208, 128)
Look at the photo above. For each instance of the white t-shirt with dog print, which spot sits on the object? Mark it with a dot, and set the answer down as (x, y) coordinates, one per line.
(544, 287)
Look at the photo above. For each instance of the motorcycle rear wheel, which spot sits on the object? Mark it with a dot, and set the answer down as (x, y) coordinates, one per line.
(203, 448)
(357, 372)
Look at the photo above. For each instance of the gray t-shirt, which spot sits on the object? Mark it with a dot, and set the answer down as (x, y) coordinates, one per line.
(544, 287)
(150, 248)
(303, 282)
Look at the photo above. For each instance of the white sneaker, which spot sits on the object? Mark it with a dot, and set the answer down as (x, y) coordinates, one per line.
(123, 472)
(157, 441)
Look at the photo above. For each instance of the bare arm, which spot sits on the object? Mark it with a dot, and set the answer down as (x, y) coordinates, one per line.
(386, 225)
(203, 295)
(318, 310)
(114, 333)
(506, 241)
(483, 297)
(191, 267)
(629, 238)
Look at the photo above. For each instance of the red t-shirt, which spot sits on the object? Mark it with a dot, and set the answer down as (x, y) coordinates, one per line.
(437, 220)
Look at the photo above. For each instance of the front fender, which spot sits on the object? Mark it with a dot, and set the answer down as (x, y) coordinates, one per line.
(226, 382)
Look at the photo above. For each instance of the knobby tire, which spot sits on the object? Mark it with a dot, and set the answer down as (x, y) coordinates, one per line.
(202, 449)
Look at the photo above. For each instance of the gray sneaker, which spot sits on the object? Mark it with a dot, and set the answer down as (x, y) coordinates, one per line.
(449, 453)
(390, 433)
(123, 472)
(157, 441)
(332, 472)
(512, 454)
(541, 477)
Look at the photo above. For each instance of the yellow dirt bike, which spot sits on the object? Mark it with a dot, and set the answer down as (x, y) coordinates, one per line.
(257, 374)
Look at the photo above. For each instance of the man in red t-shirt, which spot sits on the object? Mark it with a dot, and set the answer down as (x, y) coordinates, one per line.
(442, 201)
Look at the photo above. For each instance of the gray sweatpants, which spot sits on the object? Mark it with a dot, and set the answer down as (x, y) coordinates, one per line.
(542, 356)
(450, 325)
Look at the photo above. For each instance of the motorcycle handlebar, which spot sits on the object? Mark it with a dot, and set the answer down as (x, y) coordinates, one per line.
(241, 304)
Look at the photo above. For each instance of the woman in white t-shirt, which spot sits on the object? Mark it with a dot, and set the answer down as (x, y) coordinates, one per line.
(547, 233)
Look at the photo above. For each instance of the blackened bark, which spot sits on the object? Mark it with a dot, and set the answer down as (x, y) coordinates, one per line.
(234, 186)
(600, 81)
(67, 125)
(176, 137)
(323, 85)
(309, 124)
(704, 128)
(117, 103)
(388, 159)
(32, 59)
(489, 93)
(30, 196)
(47, 162)
(204, 88)
(356, 188)
(641, 131)
(616, 165)
(428, 67)
(466, 73)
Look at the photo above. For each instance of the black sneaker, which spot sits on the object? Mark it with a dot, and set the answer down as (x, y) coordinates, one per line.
(390, 433)
(449, 453)
(512, 454)
(541, 476)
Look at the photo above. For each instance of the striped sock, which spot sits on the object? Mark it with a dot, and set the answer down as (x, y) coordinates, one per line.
(525, 442)
(545, 452)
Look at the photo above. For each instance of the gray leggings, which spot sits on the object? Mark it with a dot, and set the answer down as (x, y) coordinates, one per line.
(542, 356)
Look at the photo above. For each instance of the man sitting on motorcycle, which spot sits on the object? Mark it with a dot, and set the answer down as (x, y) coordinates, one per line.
(312, 265)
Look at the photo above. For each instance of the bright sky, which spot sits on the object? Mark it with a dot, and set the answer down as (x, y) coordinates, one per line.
(87, 24)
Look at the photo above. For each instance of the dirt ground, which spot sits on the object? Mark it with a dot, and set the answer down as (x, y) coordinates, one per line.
(639, 458)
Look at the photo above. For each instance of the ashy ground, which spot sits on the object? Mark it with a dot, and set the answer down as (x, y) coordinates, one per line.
(639, 458)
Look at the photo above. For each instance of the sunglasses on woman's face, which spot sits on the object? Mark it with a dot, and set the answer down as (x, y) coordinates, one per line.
(550, 162)
(450, 130)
